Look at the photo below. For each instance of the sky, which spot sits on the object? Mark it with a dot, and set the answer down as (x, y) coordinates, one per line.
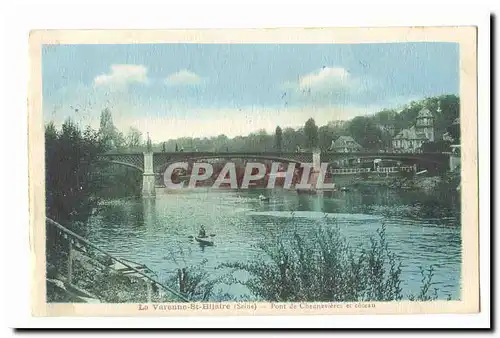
(203, 90)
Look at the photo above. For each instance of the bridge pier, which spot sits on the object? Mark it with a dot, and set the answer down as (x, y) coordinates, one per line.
(148, 177)
(315, 170)
(316, 165)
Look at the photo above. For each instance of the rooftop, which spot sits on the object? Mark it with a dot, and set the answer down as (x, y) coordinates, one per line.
(346, 141)
(424, 113)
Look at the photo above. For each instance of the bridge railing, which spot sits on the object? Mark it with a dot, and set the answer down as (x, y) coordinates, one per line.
(394, 169)
(350, 170)
(74, 238)
(346, 171)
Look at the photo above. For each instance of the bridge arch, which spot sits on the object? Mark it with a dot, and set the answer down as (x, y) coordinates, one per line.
(126, 164)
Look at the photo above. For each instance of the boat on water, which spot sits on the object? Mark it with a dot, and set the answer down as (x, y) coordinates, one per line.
(204, 240)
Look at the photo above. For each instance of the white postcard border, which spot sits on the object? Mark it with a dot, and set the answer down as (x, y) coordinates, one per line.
(484, 170)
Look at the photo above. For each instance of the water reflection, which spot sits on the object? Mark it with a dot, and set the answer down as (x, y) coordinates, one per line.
(159, 232)
(311, 203)
(149, 213)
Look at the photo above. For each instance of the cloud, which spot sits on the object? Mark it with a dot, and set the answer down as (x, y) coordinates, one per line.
(183, 77)
(327, 79)
(178, 117)
(121, 75)
(328, 85)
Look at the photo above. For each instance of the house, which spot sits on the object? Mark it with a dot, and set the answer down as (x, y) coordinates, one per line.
(387, 128)
(411, 139)
(385, 122)
(345, 144)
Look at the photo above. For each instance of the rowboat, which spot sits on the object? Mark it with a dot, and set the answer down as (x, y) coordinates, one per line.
(204, 240)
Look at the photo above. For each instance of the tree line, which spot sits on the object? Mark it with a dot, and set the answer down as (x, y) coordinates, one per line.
(372, 132)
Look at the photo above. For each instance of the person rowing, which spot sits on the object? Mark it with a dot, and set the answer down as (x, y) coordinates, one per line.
(202, 233)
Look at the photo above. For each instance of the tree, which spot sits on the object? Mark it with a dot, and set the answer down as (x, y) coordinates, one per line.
(221, 142)
(407, 117)
(454, 131)
(292, 138)
(260, 141)
(176, 148)
(72, 176)
(446, 116)
(163, 147)
(311, 134)
(326, 135)
(278, 135)
(107, 129)
(365, 132)
(134, 138)
(108, 134)
(385, 116)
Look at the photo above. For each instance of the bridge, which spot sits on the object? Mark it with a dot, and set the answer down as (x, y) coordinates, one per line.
(154, 164)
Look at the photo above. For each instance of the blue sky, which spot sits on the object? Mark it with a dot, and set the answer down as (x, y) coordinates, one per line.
(175, 90)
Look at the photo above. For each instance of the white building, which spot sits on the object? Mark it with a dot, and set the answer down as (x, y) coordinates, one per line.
(411, 139)
(345, 144)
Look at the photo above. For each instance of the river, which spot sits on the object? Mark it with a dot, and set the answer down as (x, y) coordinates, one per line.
(421, 230)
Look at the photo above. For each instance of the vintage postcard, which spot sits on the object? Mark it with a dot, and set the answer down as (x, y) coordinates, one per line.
(254, 172)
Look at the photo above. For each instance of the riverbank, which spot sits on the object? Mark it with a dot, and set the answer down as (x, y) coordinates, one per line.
(81, 274)
(95, 285)
(426, 184)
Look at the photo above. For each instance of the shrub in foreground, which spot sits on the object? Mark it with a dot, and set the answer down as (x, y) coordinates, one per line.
(326, 268)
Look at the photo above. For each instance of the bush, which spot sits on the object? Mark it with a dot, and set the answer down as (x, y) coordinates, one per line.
(327, 269)
(193, 282)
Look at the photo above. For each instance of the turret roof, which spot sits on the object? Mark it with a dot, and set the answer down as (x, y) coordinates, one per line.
(424, 113)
